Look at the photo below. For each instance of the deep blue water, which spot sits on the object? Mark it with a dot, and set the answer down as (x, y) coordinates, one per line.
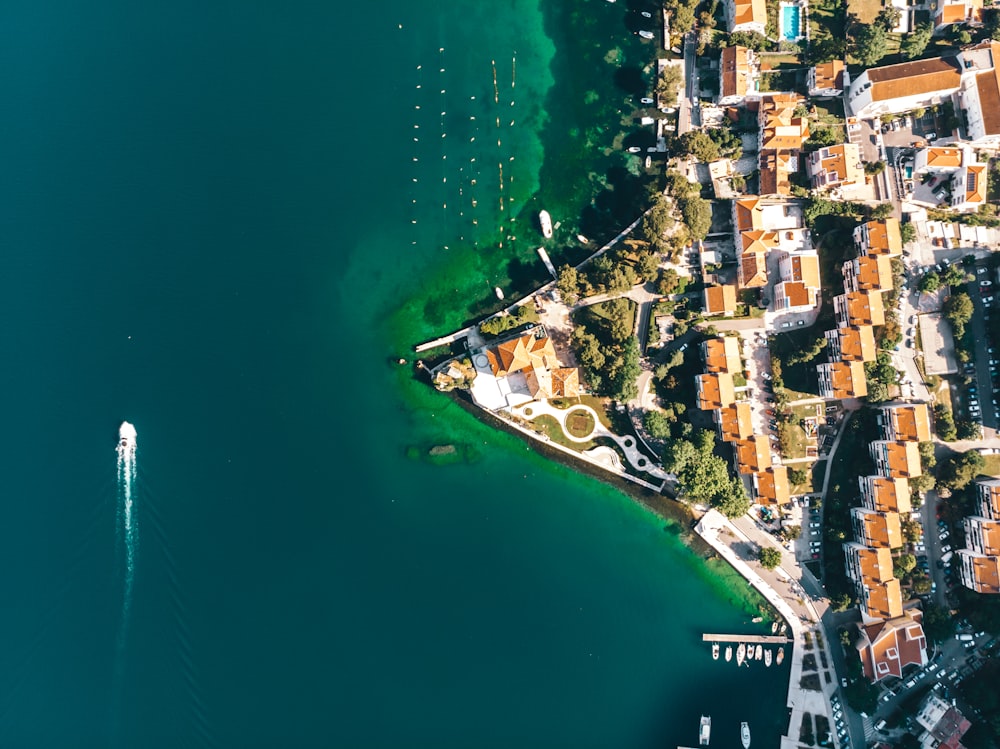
(206, 223)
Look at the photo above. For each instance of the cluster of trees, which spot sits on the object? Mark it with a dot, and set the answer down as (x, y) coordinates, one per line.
(880, 374)
(668, 84)
(682, 14)
(872, 41)
(704, 476)
(952, 276)
(944, 423)
(665, 424)
(959, 470)
(615, 271)
(769, 557)
(958, 311)
(607, 350)
(671, 282)
(494, 326)
(710, 145)
(661, 227)
(818, 206)
(914, 43)
(807, 353)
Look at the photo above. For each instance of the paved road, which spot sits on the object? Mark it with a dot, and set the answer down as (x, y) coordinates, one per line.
(932, 545)
(978, 327)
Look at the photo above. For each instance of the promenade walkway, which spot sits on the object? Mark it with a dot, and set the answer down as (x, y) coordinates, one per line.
(791, 601)
(636, 458)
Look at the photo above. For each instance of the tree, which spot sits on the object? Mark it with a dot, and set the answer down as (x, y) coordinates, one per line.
(912, 531)
(798, 476)
(698, 144)
(792, 532)
(669, 84)
(877, 392)
(954, 275)
(927, 459)
(568, 283)
(669, 282)
(905, 565)
(881, 211)
(874, 167)
(697, 213)
(625, 386)
(871, 44)
(656, 424)
(907, 232)
(657, 222)
(944, 423)
(958, 311)
(938, 623)
(732, 501)
(647, 264)
(929, 282)
(957, 471)
(922, 483)
(888, 18)
(769, 557)
(840, 602)
(914, 43)
(966, 429)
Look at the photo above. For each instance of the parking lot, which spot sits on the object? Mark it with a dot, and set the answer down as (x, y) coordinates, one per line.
(758, 363)
(979, 400)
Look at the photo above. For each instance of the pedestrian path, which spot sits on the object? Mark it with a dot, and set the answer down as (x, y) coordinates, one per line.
(636, 458)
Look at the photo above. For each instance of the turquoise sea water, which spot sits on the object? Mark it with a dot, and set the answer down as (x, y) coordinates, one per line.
(207, 229)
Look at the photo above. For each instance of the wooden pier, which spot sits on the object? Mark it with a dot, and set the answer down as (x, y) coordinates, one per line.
(755, 639)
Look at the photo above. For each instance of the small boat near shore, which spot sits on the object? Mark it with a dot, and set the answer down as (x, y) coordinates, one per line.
(740, 652)
(715, 651)
(545, 222)
(759, 653)
(781, 655)
(705, 730)
(745, 734)
(729, 653)
(774, 627)
(498, 291)
(646, 34)
(767, 656)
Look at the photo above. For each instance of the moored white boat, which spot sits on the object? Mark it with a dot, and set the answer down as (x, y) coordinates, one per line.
(740, 652)
(767, 656)
(781, 655)
(646, 34)
(729, 653)
(745, 734)
(498, 291)
(545, 221)
(759, 654)
(705, 730)
(715, 651)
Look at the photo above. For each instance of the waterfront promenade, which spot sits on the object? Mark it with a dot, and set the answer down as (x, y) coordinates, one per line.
(787, 596)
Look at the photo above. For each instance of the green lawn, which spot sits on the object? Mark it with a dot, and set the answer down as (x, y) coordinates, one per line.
(546, 424)
(992, 467)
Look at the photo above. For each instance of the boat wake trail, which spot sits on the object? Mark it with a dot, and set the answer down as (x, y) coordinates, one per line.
(126, 517)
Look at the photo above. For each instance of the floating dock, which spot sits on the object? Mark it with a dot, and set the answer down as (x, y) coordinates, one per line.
(755, 639)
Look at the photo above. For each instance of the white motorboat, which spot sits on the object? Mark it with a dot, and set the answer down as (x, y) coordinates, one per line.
(126, 438)
(729, 653)
(745, 734)
(545, 221)
(705, 730)
(715, 651)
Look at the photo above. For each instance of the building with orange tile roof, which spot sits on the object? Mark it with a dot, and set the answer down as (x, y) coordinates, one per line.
(856, 308)
(979, 572)
(738, 71)
(855, 343)
(753, 454)
(800, 266)
(751, 269)
(866, 565)
(937, 158)
(720, 299)
(868, 273)
(771, 487)
(982, 535)
(782, 134)
(879, 601)
(836, 167)
(532, 356)
(715, 390)
(879, 238)
(876, 529)
(884, 494)
(904, 87)
(905, 421)
(978, 98)
(748, 214)
(988, 496)
(734, 422)
(794, 296)
(722, 354)
(968, 188)
(827, 79)
(896, 459)
(746, 15)
(887, 647)
(842, 379)
(964, 11)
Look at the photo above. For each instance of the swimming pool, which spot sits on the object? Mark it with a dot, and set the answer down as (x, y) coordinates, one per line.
(790, 24)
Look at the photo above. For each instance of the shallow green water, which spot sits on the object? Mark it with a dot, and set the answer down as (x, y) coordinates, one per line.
(207, 230)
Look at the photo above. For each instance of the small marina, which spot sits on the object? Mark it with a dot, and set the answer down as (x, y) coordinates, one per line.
(749, 648)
